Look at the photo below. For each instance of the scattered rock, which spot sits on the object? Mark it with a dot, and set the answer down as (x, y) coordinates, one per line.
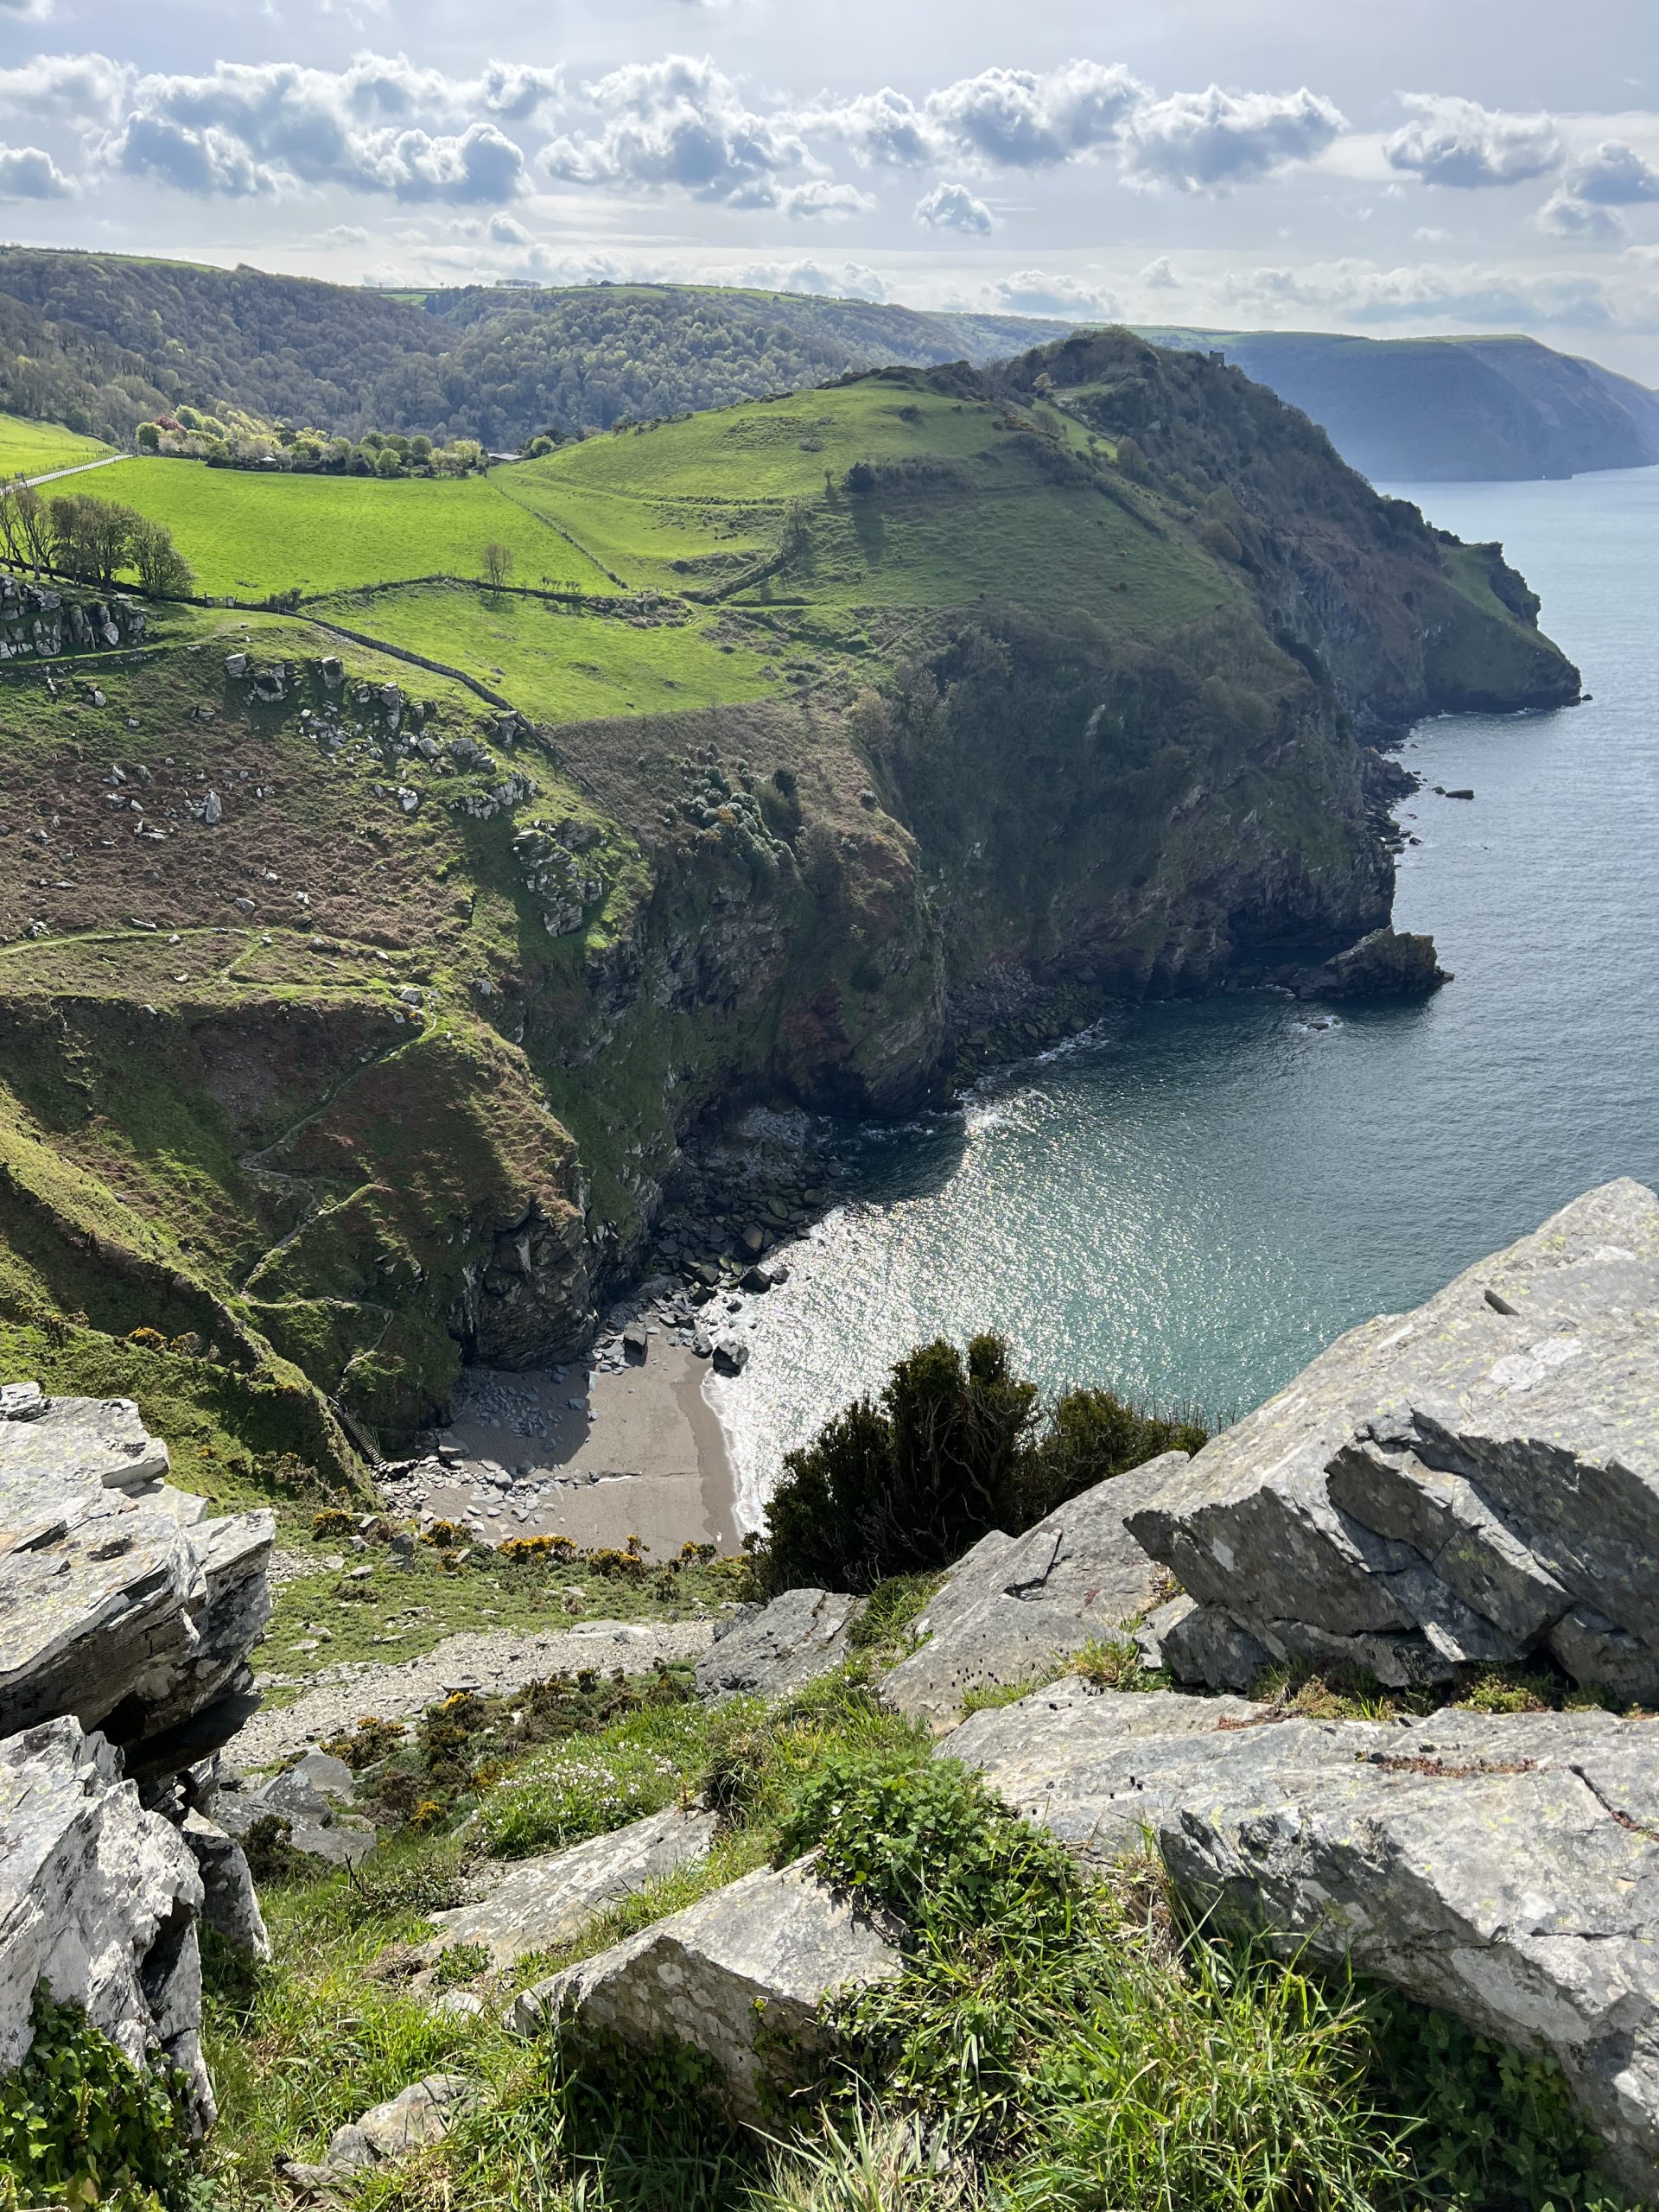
(1473, 1483)
(731, 1355)
(764, 1952)
(538, 1902)
(230, 1904)
(772, 1649)
(415, 2118)
(1017, 1604)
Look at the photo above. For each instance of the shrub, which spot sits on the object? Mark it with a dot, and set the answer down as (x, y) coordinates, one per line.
(81, 2125)
(332, 1521)
(949, 1451)
(147, 1340)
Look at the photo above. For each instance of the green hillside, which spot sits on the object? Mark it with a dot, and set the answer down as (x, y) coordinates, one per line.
(250, 534)
(379, 1060)
(28, 448)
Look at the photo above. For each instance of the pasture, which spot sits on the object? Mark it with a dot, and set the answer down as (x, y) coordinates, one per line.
(31, 449)
(249, 535)
(557, 664)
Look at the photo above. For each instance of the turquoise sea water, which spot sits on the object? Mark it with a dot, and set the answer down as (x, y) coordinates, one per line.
(1190, 1208)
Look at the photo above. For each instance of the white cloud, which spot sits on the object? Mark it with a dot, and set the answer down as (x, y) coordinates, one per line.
(1160, 275)
(87, 89)
(846, 280)
(345, 234)
(885, 126)
(1209, 141)
(1565, 216)
(679, 122)
(805, 202)
(210, 163)
(27, 11)
(1615, 175)
(1460, 142)
(1015, 118)
(1035, 291)
(1353, 291)
(242, 130)
(25, 173)
(953, 207)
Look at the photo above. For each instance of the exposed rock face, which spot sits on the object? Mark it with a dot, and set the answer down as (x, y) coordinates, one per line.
(762, 1953)
(120, 1602)
(1016, 1604)
(99, 1898)
(781, 1647)
(1386, 963)
(537, 1903)
(1504, 1867)
(1472, 1484)
(123, 1608)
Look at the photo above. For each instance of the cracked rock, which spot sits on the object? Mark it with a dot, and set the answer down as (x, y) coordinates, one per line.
(1474, 1482)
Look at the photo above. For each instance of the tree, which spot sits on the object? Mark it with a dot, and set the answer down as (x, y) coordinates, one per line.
(497, 561)
(150, 438)
(90, 539)
(387, 463)
(161, 567)
(22, 525)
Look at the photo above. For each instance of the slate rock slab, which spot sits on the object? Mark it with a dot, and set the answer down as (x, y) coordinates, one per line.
(415, 2118)
(781, 1647)
(536, 1902)
(1474, 1482)
(120, 1602)
(1504, 1867)
(1014, 1604)
(99, 1898)
(763, 1952)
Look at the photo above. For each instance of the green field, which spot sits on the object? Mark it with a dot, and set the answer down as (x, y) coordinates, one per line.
(245, 533)
(558, 664)
(31, 449)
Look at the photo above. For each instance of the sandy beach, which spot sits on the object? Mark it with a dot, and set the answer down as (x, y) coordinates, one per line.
(595, 1453)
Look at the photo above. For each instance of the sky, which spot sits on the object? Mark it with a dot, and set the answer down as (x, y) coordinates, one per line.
(1387, 167)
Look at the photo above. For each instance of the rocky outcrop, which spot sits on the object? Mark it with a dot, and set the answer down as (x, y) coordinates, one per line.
(1502, 1867)
(126, 1610)
(781, 1647)
(310, 1805)
(122, 1603)
(1476, 1483)
(538, 1902)
(99, 1897)
(1389, 964)
(38, 620)
(1017, 1604)
(739, 1976)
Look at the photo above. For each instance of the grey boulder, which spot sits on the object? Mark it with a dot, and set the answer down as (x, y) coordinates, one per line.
(119, 1601)
(781, 1646)
(1015, 1604)
(1502, 1867)
(1475, 1482)
(99, 1897)
(415, 2118)
(762, 1953)
(230, 1902)
(538, 1902)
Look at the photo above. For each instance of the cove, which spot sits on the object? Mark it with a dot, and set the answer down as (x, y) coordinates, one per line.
(1192, 1203)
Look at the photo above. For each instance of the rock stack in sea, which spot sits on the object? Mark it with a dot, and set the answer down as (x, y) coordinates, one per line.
(129, 1617)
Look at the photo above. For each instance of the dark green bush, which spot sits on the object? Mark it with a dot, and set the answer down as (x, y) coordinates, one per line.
(1494, 2128)
(949, 1451)
(80, 2124)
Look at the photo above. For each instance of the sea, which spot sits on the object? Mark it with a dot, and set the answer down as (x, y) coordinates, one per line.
(1189, 1203)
